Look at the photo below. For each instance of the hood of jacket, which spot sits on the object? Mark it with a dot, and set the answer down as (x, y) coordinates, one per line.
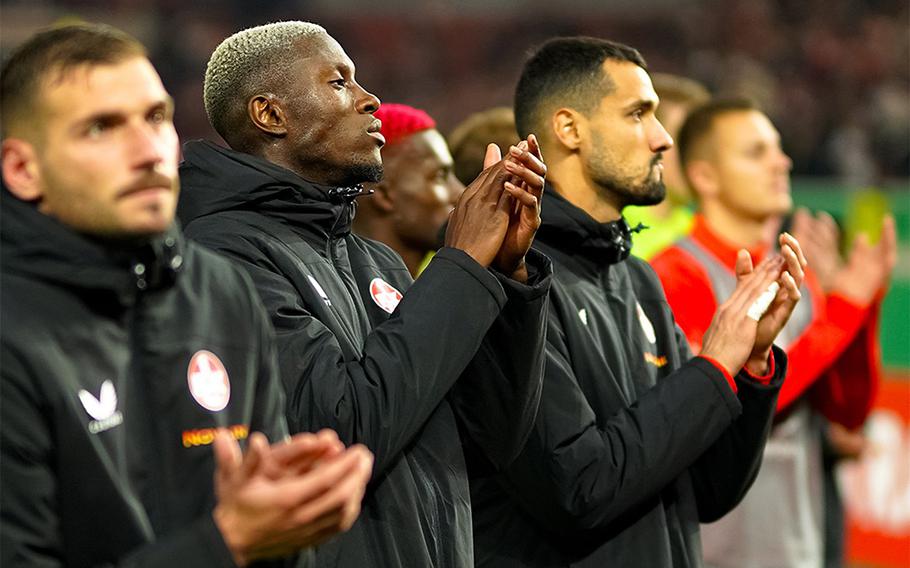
(569, 228)
(216, 179)
(38, 246)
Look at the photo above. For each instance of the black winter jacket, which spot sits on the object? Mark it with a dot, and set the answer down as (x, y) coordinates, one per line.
(634, 443)
(116, 367)
(377, 371)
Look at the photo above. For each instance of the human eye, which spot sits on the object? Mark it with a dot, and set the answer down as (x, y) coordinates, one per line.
(158, 116)
(96, 129)
(340, 83)
(637, 114)
(755, 151)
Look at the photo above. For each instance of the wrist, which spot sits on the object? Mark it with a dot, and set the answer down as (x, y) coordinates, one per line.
(520, 274)
(757, 365)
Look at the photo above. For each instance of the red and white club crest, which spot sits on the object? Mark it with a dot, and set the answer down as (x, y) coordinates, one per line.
(208, 381)
(384, 294)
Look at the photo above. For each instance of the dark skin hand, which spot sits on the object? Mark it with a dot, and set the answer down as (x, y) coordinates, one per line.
(483, 216)
(524, 217)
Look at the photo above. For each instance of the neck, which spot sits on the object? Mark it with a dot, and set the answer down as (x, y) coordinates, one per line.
(569, 179)
(736, 229)
(275, 155)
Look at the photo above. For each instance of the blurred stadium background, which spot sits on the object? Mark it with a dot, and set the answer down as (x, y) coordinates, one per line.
(834, 75)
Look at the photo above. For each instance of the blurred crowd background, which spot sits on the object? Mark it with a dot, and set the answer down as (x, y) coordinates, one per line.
(834, 75)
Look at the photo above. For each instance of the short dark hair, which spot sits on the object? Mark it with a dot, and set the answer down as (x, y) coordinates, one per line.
(700, 121)
(570, 69)
(54, 51)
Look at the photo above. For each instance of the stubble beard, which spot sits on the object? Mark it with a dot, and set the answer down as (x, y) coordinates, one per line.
(624, 191)
(364, 173)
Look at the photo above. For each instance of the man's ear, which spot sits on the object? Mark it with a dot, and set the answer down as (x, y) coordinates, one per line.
(21, 173)
(566, 125)
(703, 178)
(267, 115)
(383, 198)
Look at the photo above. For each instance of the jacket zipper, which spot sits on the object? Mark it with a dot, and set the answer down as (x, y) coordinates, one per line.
(136, 378)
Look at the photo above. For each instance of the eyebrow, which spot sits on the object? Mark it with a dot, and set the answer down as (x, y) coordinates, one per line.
(641, 104)
(166, 102)
(345, 68)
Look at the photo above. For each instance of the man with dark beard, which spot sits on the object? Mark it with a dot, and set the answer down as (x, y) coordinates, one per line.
(413, 370)
(635, 440)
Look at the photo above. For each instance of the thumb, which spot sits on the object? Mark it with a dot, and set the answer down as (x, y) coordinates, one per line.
(493, 155)
(227, 453)
(743, 263)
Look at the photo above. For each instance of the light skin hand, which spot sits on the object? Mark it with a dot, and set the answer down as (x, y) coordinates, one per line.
(868, 269)
(301, 453)
(730, 338)
(524, 161)
(819, 237)
(778, 313)
(263, 512)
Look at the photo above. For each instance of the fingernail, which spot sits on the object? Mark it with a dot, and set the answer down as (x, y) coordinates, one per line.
(515, 150)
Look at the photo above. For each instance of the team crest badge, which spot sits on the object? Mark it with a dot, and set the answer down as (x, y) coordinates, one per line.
(208, 381)
(384, 294)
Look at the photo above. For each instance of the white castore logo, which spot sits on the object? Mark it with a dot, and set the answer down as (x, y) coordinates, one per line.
(103, 409)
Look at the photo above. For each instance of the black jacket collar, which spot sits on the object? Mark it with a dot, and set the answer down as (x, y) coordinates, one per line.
(566, 227)
(217, 179)
(40, 247)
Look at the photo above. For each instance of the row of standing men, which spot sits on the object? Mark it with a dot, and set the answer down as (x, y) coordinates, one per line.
(521, 406)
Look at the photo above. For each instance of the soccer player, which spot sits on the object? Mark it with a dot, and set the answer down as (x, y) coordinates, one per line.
(412, 369)
(635, 441)
(129, 352)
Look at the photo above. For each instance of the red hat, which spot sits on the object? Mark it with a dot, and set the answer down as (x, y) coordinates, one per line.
(400, 121)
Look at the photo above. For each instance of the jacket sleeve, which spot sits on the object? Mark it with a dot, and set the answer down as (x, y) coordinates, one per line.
(497, 397)
(847, 390)
(30, 532)
(575, 473)
(724, 472)
(407, 364)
